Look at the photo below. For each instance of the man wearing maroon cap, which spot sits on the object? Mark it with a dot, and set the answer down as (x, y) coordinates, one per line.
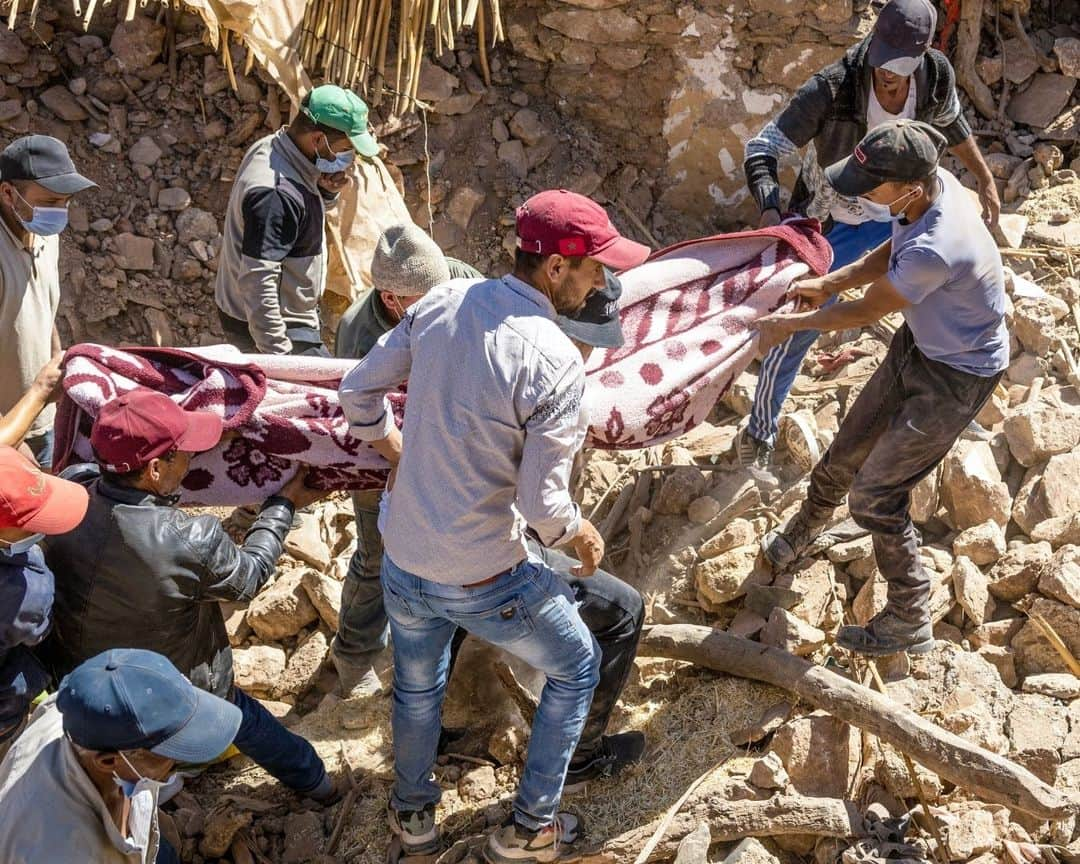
(32, 504)
(492, 424)
(141, 573)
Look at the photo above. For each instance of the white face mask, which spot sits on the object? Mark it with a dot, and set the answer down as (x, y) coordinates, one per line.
(143, 797)
(883, 212)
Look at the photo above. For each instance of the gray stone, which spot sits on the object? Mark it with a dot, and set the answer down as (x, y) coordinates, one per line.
(436, 84)
(1064, 686)
(499, 131)
(13, 50)
(257, 669)
(792, 634)
(173, 199)
(303, 834)
(195, 224)
(1034, 654)
(694, 847)
(305, 663)
(133, 252)
(462, 103)
(1020, 61)
(145, 151)
(63, 104)
(1010, 230)
(1041, 102)
(137, 43)
(308, 543)
(324, 592)
(1061, 485)
(526, 126)
(463, 204)
(478, 785)
(971, 486)
(512, 154)
(726, 577)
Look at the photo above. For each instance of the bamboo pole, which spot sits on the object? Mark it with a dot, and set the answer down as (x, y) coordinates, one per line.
(481, 42)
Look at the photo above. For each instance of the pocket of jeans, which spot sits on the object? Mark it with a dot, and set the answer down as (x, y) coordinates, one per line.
(397, 606)
(508, 622)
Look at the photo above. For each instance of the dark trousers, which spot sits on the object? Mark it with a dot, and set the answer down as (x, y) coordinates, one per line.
(166, 854)
(900, 427)
(306, 341)
(612, 610)
(288, 757)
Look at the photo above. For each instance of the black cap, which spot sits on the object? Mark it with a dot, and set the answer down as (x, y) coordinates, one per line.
(597, 322)
(903, 32)
(900, 151)
(44, 160)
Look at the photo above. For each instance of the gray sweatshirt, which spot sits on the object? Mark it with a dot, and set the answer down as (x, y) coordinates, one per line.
(272, 269)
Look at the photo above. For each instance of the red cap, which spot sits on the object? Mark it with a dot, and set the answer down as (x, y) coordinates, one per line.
(141, 425)
(35, 501)
(559, 222)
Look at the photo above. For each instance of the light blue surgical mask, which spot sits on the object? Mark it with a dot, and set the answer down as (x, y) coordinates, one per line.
(21, 547)
(339, 163)
(44, 221)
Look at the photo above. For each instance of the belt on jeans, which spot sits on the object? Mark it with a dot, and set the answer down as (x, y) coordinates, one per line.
(491, 579)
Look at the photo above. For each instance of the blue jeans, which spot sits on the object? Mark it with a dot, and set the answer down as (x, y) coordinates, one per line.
(288, 757)
(782, 363)
(42, 447)
(528, 611)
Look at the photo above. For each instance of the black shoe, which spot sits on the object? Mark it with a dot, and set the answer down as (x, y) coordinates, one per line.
(614, 753)
(750, 452)
(784, 546)
(450, 737)
(887, 633)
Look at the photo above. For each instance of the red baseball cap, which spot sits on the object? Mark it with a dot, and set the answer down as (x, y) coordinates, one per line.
(560, 222)
(141, 425)
(35, 501)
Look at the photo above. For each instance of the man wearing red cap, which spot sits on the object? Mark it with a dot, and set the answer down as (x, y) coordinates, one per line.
(32, 504)
(492, 424)
(141, 573)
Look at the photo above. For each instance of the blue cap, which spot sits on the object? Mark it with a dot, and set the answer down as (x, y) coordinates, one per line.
(129, 699)
(597, 322)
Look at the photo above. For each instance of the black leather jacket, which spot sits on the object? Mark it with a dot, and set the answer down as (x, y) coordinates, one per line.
(141, 573)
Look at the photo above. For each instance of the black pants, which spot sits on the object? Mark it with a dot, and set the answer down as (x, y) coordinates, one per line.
(306, 341)
(611, 609)
(900, 427)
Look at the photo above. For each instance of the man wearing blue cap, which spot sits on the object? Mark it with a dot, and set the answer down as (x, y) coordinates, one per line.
(272, 268)
(37, 180)
(83, 783)
(892, 74)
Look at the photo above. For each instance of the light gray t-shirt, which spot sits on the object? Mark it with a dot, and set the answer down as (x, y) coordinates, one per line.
(947, 266)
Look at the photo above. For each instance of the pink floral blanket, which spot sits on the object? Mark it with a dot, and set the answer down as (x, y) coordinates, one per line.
(685, 312)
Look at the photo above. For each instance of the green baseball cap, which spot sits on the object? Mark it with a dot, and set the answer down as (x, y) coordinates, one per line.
(343, 110)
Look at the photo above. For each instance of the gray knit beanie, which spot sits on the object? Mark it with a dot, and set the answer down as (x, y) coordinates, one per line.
(407, 262)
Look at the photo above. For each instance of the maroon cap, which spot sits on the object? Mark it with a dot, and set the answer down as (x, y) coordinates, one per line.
(141, 425)
(559, 222)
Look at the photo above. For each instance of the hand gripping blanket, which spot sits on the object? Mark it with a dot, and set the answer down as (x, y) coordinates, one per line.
(686, 315)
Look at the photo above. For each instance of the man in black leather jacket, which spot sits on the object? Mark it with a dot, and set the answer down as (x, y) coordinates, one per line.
(139, 572)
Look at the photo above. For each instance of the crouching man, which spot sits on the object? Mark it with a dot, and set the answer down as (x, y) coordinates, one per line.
(942, 271)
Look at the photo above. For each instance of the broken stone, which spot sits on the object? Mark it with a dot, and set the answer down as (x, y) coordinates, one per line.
(1010, 229)
(220, 829)
(1067, 51)
(306, 543)
(971, 486)
(436, 84)
(194, 224)
(463, 204)
(1037, 727)
(13, 52)
(679, 488)
(512, 153)
(694, 847)
(738, 532)
(63, 104)
(750, 851)
(1038, 430)
(173, 199)
(702, 509)
(257, 669)
(972, 590)
(1061, 485)
(814, 584)
(1042, 101)
(745, 624)
(161, 333)
(1018, 572)
(1061, 579)
(137, 43)
(145, 151)
(852, 550)
(983, 544)
(303, 666)
(788, 631)
(462, 103)
(1034, 653)
(1048, 156)
(769, 773)
(925, 498)
(1004, 660)
(820, 754)
(595, 26)
(989, 69)
(303, 833)
(526, 126)
(499, 131)
(134, 253)
(478, 785)
(325, 595)
(722, 579)
(970, 834)
(1064, 686)
(282, 610)
(789, 66)
(1033, 325)
(236, 623)
(1021, 61)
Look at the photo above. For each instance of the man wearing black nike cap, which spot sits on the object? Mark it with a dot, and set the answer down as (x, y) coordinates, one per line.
(37, 180)
(942, 271)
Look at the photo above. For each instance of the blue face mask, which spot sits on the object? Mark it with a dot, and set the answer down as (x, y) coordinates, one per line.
(21, 547)
(339, 163)
(44, 221)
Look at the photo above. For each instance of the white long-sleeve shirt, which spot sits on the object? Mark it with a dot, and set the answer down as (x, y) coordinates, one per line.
(492, 423)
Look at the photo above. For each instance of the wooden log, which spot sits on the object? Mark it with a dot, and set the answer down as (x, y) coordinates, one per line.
(735, 820)
(987, 775)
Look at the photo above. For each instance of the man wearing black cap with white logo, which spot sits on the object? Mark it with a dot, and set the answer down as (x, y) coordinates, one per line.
(892, 74)
(84, 781)
(37, 180)
(942, 271)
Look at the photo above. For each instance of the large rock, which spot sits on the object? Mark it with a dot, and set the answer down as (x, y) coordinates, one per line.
(526, 126)
(820, 754)
(282, 610)
(303, 667)
(1061, 485)
(972, 591)
(1018, 572)
(13, 50)
(173, 200)
(925, 497)
(969, 834)
(1034, 654)
(303, 834)
(768, 773)
(1061, 579)
(1041, 102)
(63, 104)
(1063, 686)
(1037, 728)
(325, 595)
(680, 487)
(819, 604)
(308, 543)
(463, 205)
(983, 544)
(594, 26)
(738, 532)
(258, 669)
(1067, 50)
(133, 252)
(195, 224)
(436, 84)
(789, 632)
(137, 43)
(145, 151)
(1036, 431)
(750, 851)
(1029, 508)
(971, 486)
(1059, 531)
(727, 576)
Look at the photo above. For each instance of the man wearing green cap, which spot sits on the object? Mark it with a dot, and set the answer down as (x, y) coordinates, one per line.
(272, 268)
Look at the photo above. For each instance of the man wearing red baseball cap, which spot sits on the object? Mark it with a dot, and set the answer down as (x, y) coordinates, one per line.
(32, 504)
(141, 573)
(492, 424)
